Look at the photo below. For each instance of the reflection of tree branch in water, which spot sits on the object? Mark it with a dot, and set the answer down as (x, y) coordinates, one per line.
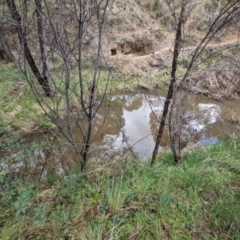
(130, 147)
(141, 139)
(103, 122)
(55, 136)
(118, 115)
(125, 138)
(150, 105)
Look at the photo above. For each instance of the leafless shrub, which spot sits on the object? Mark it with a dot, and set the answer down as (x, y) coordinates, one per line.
(56, 38)
(173, 110)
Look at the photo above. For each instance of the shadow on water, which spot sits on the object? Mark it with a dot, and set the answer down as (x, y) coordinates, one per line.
(131, 122)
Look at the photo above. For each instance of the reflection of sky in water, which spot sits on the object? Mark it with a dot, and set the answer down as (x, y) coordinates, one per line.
(137, 129)
(207, 122)
(209, 113)
(139, 122)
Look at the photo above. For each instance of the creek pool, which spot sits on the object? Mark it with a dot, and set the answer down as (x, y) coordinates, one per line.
(129, 123)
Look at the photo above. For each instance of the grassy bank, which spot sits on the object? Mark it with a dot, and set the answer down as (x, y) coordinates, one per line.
(197, 199)
(20, 112)
(19, 109)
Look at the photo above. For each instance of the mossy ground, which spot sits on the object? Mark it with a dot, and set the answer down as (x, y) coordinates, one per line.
(196, 199)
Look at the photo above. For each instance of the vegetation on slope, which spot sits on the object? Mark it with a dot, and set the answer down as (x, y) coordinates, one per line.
(143, 34)
(18, 106)
(20, 111)
(128, 199)
(196, 199)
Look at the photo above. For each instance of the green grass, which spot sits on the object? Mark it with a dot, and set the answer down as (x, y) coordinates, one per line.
(196, 199)
(19, 110)
(18, 106)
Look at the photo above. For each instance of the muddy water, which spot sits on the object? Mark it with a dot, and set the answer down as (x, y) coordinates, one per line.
(129, 123)
(133, 120)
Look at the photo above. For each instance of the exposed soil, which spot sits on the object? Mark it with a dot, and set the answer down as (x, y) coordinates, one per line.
(139, 41)
(146, 51)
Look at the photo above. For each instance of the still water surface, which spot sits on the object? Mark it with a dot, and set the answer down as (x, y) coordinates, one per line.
(134, 118)
(131, 122)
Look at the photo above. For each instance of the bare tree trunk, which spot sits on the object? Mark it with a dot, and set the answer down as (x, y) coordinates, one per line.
(93, 87)
(27, 53)
(177, 47)
(41, 38)
(228, 14)
(5, 52)
(77, 84)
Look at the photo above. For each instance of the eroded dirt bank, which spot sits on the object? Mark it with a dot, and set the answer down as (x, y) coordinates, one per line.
(141, 41)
